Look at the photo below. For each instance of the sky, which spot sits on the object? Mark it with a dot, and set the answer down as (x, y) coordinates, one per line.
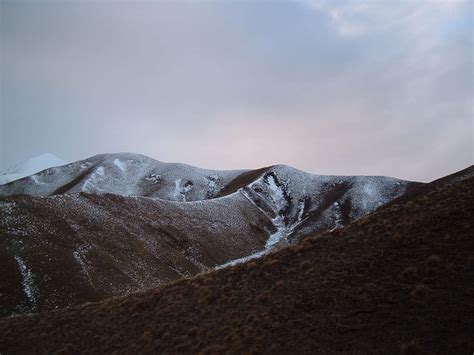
(330, 87)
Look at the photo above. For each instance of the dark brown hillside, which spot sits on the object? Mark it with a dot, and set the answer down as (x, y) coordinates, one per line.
(59, 251)
(418, 189)
(399, 280)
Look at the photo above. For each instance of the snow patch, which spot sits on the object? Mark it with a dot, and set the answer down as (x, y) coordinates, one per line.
(182, 189)
(277, 195)
(178, 190)
(302, 205)
(27, 282)
(337, 216)
(119, 164)
(79, 255)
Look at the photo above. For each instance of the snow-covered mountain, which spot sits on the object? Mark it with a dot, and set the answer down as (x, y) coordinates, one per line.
(116, 223)
(287, 196)
(30, 167)
(124, 174)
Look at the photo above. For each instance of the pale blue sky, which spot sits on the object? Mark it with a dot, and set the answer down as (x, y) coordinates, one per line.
(330, 87)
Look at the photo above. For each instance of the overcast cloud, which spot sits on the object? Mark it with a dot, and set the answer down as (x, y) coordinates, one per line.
(329, 87)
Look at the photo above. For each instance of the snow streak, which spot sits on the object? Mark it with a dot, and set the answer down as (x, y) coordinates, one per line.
(27, 282)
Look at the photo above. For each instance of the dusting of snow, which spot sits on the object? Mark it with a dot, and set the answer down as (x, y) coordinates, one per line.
(94, 179)
(160, 178)
(13, 222)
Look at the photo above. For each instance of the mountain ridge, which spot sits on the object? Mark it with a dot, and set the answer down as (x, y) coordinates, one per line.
(127, 155)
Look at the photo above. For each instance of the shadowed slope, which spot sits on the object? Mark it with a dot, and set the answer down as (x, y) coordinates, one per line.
(242, 180)
(400, 279)
(58, 251)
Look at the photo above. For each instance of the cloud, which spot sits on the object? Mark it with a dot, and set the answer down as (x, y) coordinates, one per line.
(357, 18)
(327, 86)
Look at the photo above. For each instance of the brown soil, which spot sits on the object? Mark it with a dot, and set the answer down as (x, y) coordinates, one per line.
(398, 280)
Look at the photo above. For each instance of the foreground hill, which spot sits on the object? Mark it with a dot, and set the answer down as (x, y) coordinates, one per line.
(400, 279)
(119, 223)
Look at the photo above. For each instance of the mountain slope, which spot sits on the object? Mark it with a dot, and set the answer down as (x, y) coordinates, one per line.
(59, 251)
(400, 279)
(74, 234)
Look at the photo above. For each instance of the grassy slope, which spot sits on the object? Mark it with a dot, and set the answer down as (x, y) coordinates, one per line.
(399, 279)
